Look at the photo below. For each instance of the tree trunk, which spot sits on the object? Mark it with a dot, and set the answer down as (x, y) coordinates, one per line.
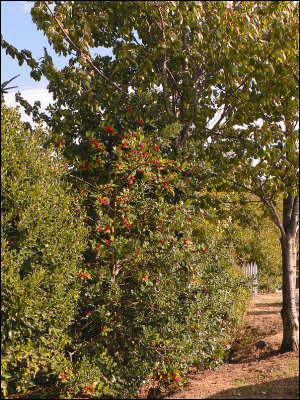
(290, 341)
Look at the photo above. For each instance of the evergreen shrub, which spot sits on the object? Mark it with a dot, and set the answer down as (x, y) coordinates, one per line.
(42, 240)
(152, 296)
(156, 298)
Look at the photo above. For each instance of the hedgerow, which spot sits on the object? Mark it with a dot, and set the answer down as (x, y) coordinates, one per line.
(150, 298)
(41, 245)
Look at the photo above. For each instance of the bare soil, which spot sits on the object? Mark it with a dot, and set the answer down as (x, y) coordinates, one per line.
(256, 369)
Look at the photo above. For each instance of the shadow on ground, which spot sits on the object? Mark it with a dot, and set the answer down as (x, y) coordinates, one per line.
(269, 304)
(279, 389)
(262, 312)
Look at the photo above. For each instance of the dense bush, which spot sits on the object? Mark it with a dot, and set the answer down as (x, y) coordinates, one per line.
(41, 244)
(152, 296)
(157, 297)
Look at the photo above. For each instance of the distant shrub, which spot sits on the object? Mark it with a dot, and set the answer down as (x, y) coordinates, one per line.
(253, 237)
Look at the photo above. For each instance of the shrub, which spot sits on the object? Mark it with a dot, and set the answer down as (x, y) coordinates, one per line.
(156, 298)
(42, 240)
(154, 294)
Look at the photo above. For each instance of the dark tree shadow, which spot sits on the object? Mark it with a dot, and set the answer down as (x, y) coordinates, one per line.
(263, 312)
(269, 304)
(287, 388)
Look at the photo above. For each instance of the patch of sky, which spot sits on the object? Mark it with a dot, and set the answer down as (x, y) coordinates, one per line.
(18, 29)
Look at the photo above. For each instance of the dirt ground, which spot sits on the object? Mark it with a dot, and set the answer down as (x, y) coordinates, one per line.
(256, 369)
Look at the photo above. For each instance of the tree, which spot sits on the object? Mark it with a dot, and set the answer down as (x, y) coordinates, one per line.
(147, 272)
(211, 66)
(262, 157)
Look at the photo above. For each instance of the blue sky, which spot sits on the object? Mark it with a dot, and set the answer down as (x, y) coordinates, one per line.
(18, 29)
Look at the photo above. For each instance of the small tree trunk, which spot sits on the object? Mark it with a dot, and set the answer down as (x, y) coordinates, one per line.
(290, 341)
(294, 255)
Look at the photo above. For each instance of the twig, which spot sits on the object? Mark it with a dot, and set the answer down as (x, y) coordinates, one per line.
(146, 12)
(80, 179)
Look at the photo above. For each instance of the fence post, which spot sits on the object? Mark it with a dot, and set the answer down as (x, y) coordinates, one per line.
(255, 280)
(250, 270)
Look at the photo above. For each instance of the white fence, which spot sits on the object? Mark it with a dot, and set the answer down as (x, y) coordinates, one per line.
(250, 269)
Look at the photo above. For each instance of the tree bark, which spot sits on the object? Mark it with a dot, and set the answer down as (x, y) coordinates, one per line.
(290, 341)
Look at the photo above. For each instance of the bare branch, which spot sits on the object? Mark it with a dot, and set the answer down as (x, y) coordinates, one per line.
(296, 77)
(177, 90)
(183, 135)
(242, 202)
(82, 180)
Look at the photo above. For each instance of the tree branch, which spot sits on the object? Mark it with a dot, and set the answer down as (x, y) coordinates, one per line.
(295, 216)
(173, 80)
(274, 213)
(82, 180)
(148, 14)
(164, 62)
(82, 54)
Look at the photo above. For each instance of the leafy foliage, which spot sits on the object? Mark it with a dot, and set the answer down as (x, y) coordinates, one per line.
(254, 237)
(41, 245)
(157, 298)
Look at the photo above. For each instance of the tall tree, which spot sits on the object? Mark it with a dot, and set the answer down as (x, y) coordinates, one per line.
(260, 155)
(211, 66)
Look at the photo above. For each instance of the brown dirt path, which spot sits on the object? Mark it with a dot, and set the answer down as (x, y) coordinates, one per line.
(256, 369)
